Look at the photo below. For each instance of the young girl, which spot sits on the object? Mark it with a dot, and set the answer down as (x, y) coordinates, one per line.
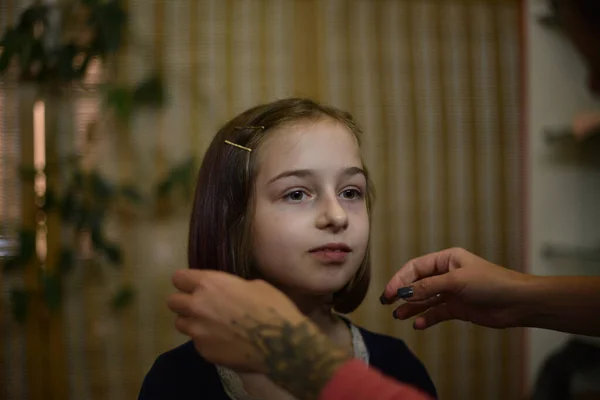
(283, 195)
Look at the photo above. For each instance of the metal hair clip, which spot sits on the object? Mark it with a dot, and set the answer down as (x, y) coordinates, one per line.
(238, 146)
(260, 127)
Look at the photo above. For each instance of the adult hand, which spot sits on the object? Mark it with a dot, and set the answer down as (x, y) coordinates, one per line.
(456, 284)
(230, 319)
(251, 326)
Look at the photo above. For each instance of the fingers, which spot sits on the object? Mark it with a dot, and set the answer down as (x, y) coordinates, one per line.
(183, 325)
(428, 288)
(408, 310)
(418, 268)
(430, 291)
(433, 317)
(179, 303)
(188, 327)
(187, 280)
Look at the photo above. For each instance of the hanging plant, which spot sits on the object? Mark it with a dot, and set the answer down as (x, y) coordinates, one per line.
(55, 58)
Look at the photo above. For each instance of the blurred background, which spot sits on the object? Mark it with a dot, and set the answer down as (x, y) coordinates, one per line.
(472, 112)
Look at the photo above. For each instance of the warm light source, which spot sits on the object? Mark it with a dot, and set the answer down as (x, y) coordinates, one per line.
(39, 135)
(39, 163)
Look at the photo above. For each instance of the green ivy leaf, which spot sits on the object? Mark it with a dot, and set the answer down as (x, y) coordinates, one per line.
(165, 186)
(123, 297)
(32, 15)
(121, 99)
(149, 93)
(131, 194)
(32, 53)
(65, 62)
(113, 253)
(109, 19)
(180, 175)
(77, 179)
(19, 302)
(97, 236)
(82, 70)
(10, 46)
(52, 290)
(26, 51)
(101, 189)
(184, 170)
(185, 175)
(5, 57)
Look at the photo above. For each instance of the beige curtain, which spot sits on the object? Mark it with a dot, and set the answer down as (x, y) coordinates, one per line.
(435, 84)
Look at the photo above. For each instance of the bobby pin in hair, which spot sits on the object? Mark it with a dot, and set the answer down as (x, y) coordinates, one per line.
(238, 146)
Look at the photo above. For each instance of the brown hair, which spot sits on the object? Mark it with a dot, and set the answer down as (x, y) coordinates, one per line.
(223, 202)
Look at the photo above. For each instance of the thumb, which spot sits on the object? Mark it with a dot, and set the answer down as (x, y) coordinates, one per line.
(427, 288)
(432, 317)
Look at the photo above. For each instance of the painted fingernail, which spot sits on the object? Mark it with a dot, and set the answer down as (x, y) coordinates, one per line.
(383, 299)
(406, 292)
(394, 314)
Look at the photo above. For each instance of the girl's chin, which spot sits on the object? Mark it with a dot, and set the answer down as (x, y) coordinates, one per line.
(314, 290)
(318, 283)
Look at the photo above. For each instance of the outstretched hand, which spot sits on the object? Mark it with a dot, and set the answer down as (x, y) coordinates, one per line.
(456, 284)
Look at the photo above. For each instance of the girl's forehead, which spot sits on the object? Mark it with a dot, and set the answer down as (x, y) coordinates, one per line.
(310, 144)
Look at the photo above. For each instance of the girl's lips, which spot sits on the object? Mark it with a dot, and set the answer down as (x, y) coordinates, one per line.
(330, 255)
(333, 247)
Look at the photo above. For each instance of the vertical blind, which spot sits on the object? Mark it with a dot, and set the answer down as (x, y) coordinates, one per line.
(435, 86)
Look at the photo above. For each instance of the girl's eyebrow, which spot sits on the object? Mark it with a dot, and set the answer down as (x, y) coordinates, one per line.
(306, 173)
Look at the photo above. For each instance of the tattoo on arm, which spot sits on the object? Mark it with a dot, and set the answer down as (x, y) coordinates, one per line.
(297, 356)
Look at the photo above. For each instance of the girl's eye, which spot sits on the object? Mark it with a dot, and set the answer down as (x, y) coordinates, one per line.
(295, 196)
(351, 194)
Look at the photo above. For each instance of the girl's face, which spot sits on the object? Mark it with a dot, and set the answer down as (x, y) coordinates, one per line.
(310, 227)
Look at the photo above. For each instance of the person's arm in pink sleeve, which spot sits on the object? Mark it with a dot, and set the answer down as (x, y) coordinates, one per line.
(355, 380)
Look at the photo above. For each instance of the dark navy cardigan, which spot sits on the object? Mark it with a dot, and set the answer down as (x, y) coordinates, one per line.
(182, 374)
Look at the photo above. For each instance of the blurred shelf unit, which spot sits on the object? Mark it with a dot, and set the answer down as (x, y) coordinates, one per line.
(549, 20)
(565, 134)
(554, 135)
(572, 253)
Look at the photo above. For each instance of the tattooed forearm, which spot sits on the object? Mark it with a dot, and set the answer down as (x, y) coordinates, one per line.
(298, 357)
